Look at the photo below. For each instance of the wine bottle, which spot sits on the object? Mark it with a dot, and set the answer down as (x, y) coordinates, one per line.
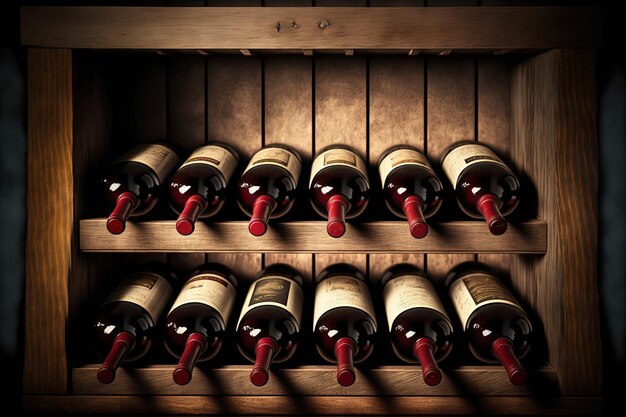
(196, 323)
(419, 327)
(411, 188)
(269, 325)
(198, 188)
(267, 188)
(496, 326)
(344, 320)
(131, 185)
(125, 323)
(485, 187)
(339, 187)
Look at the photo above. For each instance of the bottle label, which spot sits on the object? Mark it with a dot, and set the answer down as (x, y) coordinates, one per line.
(161, 159)
(147, 290)
(281, 157)
(464, 156)
(275, 291)
(338, 156)
(406, 292)
(401, 157)
(209, 289)
(216, 156)
(342, 291)
(475, 290)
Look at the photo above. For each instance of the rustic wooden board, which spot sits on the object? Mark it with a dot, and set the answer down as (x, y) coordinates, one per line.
(485, 28)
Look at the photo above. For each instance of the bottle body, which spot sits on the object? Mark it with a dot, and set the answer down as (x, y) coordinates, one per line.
(197, 321)
(344, 321)
(131, 185)
(198, 188)
(484, 186)
(339, 186)
(268, 329)
(411, 187)
(267, 187)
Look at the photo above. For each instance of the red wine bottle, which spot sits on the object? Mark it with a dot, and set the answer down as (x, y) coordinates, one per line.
(419, 327)
(485, 187)
(198, 188)
(344, 320)
(125, 323)
(267, 188)
(339, 187)
(411, 188)
(196, 323)
(269, 325)
(131, 185)
(496, 326)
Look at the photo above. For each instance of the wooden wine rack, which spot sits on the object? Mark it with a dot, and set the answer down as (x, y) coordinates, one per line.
(521, 79)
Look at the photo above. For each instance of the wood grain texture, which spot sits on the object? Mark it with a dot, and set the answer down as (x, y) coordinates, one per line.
(379, 262)
(554, 141)
(392, 28)
(323, 260)
(327, 405)
(50, 217)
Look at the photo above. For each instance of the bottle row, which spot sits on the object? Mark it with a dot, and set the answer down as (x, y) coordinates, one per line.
(338, 188)
(345, 329)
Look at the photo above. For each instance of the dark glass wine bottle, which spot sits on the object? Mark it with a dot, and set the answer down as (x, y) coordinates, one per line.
(496, 326)
(485, 187)
(344, 322)
(269, 325)
(131, 185)
(410, 187)
(198, 188)
(196, 323)
(339, 187)
(125, 323)
(419, 327)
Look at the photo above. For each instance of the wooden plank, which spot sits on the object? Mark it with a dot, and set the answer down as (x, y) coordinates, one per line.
(379, 262)
(312, 380)
(392, 28)
(50, 217)
(328, 405)
(554, 142)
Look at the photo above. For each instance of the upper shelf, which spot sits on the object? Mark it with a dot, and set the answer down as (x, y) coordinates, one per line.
(306, 29)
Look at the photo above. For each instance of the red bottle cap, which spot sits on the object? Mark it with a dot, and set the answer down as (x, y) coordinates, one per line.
(261, 211)
(122, 344)
(424, 350)
(337, 206)
(413, 207)
(195, 205)
(266, 349)
(488, 206)
(345, 349)
(503, 350)
(126, 203)
(195, 346)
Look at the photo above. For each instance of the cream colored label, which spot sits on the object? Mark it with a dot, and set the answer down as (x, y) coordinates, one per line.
(338, 156)
(209, 289)
(160, 158)
(148, 290)
(473, 291)
(342, 291)
(280, 157)
(216, 156)
(275, 290)
(466, 155)
(405, 292)
(401, 157)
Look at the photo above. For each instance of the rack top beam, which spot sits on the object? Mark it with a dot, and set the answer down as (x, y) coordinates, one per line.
(313, 28)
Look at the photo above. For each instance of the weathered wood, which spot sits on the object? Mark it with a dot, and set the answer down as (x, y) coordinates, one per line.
(392, 28)
(50, 217)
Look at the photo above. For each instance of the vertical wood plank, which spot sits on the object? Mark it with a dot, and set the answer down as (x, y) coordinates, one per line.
(322, 260)
(49, 228)
(379, 262)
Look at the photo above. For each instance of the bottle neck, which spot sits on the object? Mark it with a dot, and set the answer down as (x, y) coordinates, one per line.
(122, 345)
(345, 349)
(196, 345)
(266, 349)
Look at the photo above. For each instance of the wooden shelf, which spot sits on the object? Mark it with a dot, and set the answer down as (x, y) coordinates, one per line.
(311, 237)
(307, 29)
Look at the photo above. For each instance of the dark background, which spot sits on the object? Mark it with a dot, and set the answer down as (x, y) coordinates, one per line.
(612, 200)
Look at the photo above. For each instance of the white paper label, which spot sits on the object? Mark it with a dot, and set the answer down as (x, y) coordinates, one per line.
(147, 290)
(406, 292)
(342, 291)
(338, 156)
(275, 290)
(281, 157)
(473, 291)
(209, 289)
(464, 156)
(161, 159)
(216, 156)
(401, 157)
